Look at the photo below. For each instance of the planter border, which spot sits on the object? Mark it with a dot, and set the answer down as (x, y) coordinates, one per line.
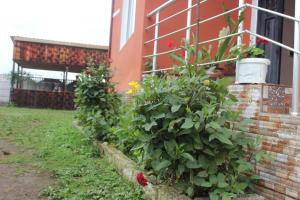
(128, 169)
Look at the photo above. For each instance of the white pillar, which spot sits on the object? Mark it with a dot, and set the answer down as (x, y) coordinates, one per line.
(154, 60)
(241, 26)
(295, 98)
(188, 24)
(240, 37)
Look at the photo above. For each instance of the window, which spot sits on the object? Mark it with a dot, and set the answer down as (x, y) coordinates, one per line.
(128, 20)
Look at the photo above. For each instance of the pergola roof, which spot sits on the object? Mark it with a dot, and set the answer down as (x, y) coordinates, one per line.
(43, 54)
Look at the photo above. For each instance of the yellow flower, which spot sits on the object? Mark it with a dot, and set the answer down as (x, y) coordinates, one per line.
(129, 92)
(206, 82)
(134, 86)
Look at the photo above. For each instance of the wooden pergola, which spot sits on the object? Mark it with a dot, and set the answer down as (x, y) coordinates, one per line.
(49, 55)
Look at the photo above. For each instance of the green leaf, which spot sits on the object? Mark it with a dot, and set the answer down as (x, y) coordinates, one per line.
(175, 108)
(201, 182)
(227, 195)
(162, 165)
(221, 180)
(170, 147)
(179, 171)
(178, 58)
(213, 179)
(188, 156)
(152, 107)
(244, 166)
(221, 137)
(156, 153)
(193, 165)
(213, 196)
(241, 186)
(202, 174)
(213, 125)
(190, 191)
(197, 125)
(255, 177)
(159, 116)
(258, 156)
(148, 126)
(188, 123)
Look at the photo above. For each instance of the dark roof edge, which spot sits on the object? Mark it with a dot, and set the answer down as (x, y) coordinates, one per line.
(71, 44)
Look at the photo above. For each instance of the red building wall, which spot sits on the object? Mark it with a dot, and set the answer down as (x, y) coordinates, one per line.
(128, 62)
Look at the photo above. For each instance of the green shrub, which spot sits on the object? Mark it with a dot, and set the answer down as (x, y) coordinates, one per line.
(97, 102)
(125, 134)
(190, 136)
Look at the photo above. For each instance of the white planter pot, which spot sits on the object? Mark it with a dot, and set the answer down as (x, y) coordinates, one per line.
(252, 70)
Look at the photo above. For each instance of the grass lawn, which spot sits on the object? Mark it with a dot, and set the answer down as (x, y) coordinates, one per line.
(60, 148)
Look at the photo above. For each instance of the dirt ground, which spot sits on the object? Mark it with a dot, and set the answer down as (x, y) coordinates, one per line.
(19, 181)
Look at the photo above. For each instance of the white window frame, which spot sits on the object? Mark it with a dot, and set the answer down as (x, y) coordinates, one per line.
(128, 21)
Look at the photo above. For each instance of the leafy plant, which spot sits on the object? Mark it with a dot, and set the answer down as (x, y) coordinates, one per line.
(231, 28)
(125, 135)
(189, 135)
(254, 51)
(97, 102)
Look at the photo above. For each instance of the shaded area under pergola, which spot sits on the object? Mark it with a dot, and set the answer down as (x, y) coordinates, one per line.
(50, 55)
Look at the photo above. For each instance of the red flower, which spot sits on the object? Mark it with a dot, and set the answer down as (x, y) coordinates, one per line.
(261, 40)
(141, 179)
(170, 44)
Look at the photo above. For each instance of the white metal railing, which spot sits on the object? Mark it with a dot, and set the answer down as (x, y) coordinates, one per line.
(241, 31)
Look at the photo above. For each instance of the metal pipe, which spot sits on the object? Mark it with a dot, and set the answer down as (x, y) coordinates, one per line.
(66, 79)
(200, 43)
(202, 64)
(188, 23)
(200, 22)
(273, 12)
(241, 25)
(253, 26)
(18, 76)
(154, 59)
(13, 74)
(240, 37)
(174, 15)
(160, 8)
(12, 81)
(295, 97)
(274, 42)
(21, 82)
(197, 30)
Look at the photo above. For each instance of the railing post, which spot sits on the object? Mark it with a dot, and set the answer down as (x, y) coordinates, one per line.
(188, 24)
(241, 25)
(295, 98)
(154, 59)
(239, 38)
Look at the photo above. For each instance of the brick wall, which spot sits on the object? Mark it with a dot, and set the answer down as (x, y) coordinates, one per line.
(43, 99)
(280, 138)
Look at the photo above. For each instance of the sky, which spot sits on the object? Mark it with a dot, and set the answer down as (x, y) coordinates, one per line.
(81, 21)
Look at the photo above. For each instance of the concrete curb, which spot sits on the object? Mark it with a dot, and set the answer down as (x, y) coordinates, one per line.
(128, 169)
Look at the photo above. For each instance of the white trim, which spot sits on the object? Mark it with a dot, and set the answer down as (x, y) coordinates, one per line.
(253, 27)
(117, 12)
(128, 21)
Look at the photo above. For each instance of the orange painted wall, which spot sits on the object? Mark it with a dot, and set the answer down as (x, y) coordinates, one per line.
(129, 62)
